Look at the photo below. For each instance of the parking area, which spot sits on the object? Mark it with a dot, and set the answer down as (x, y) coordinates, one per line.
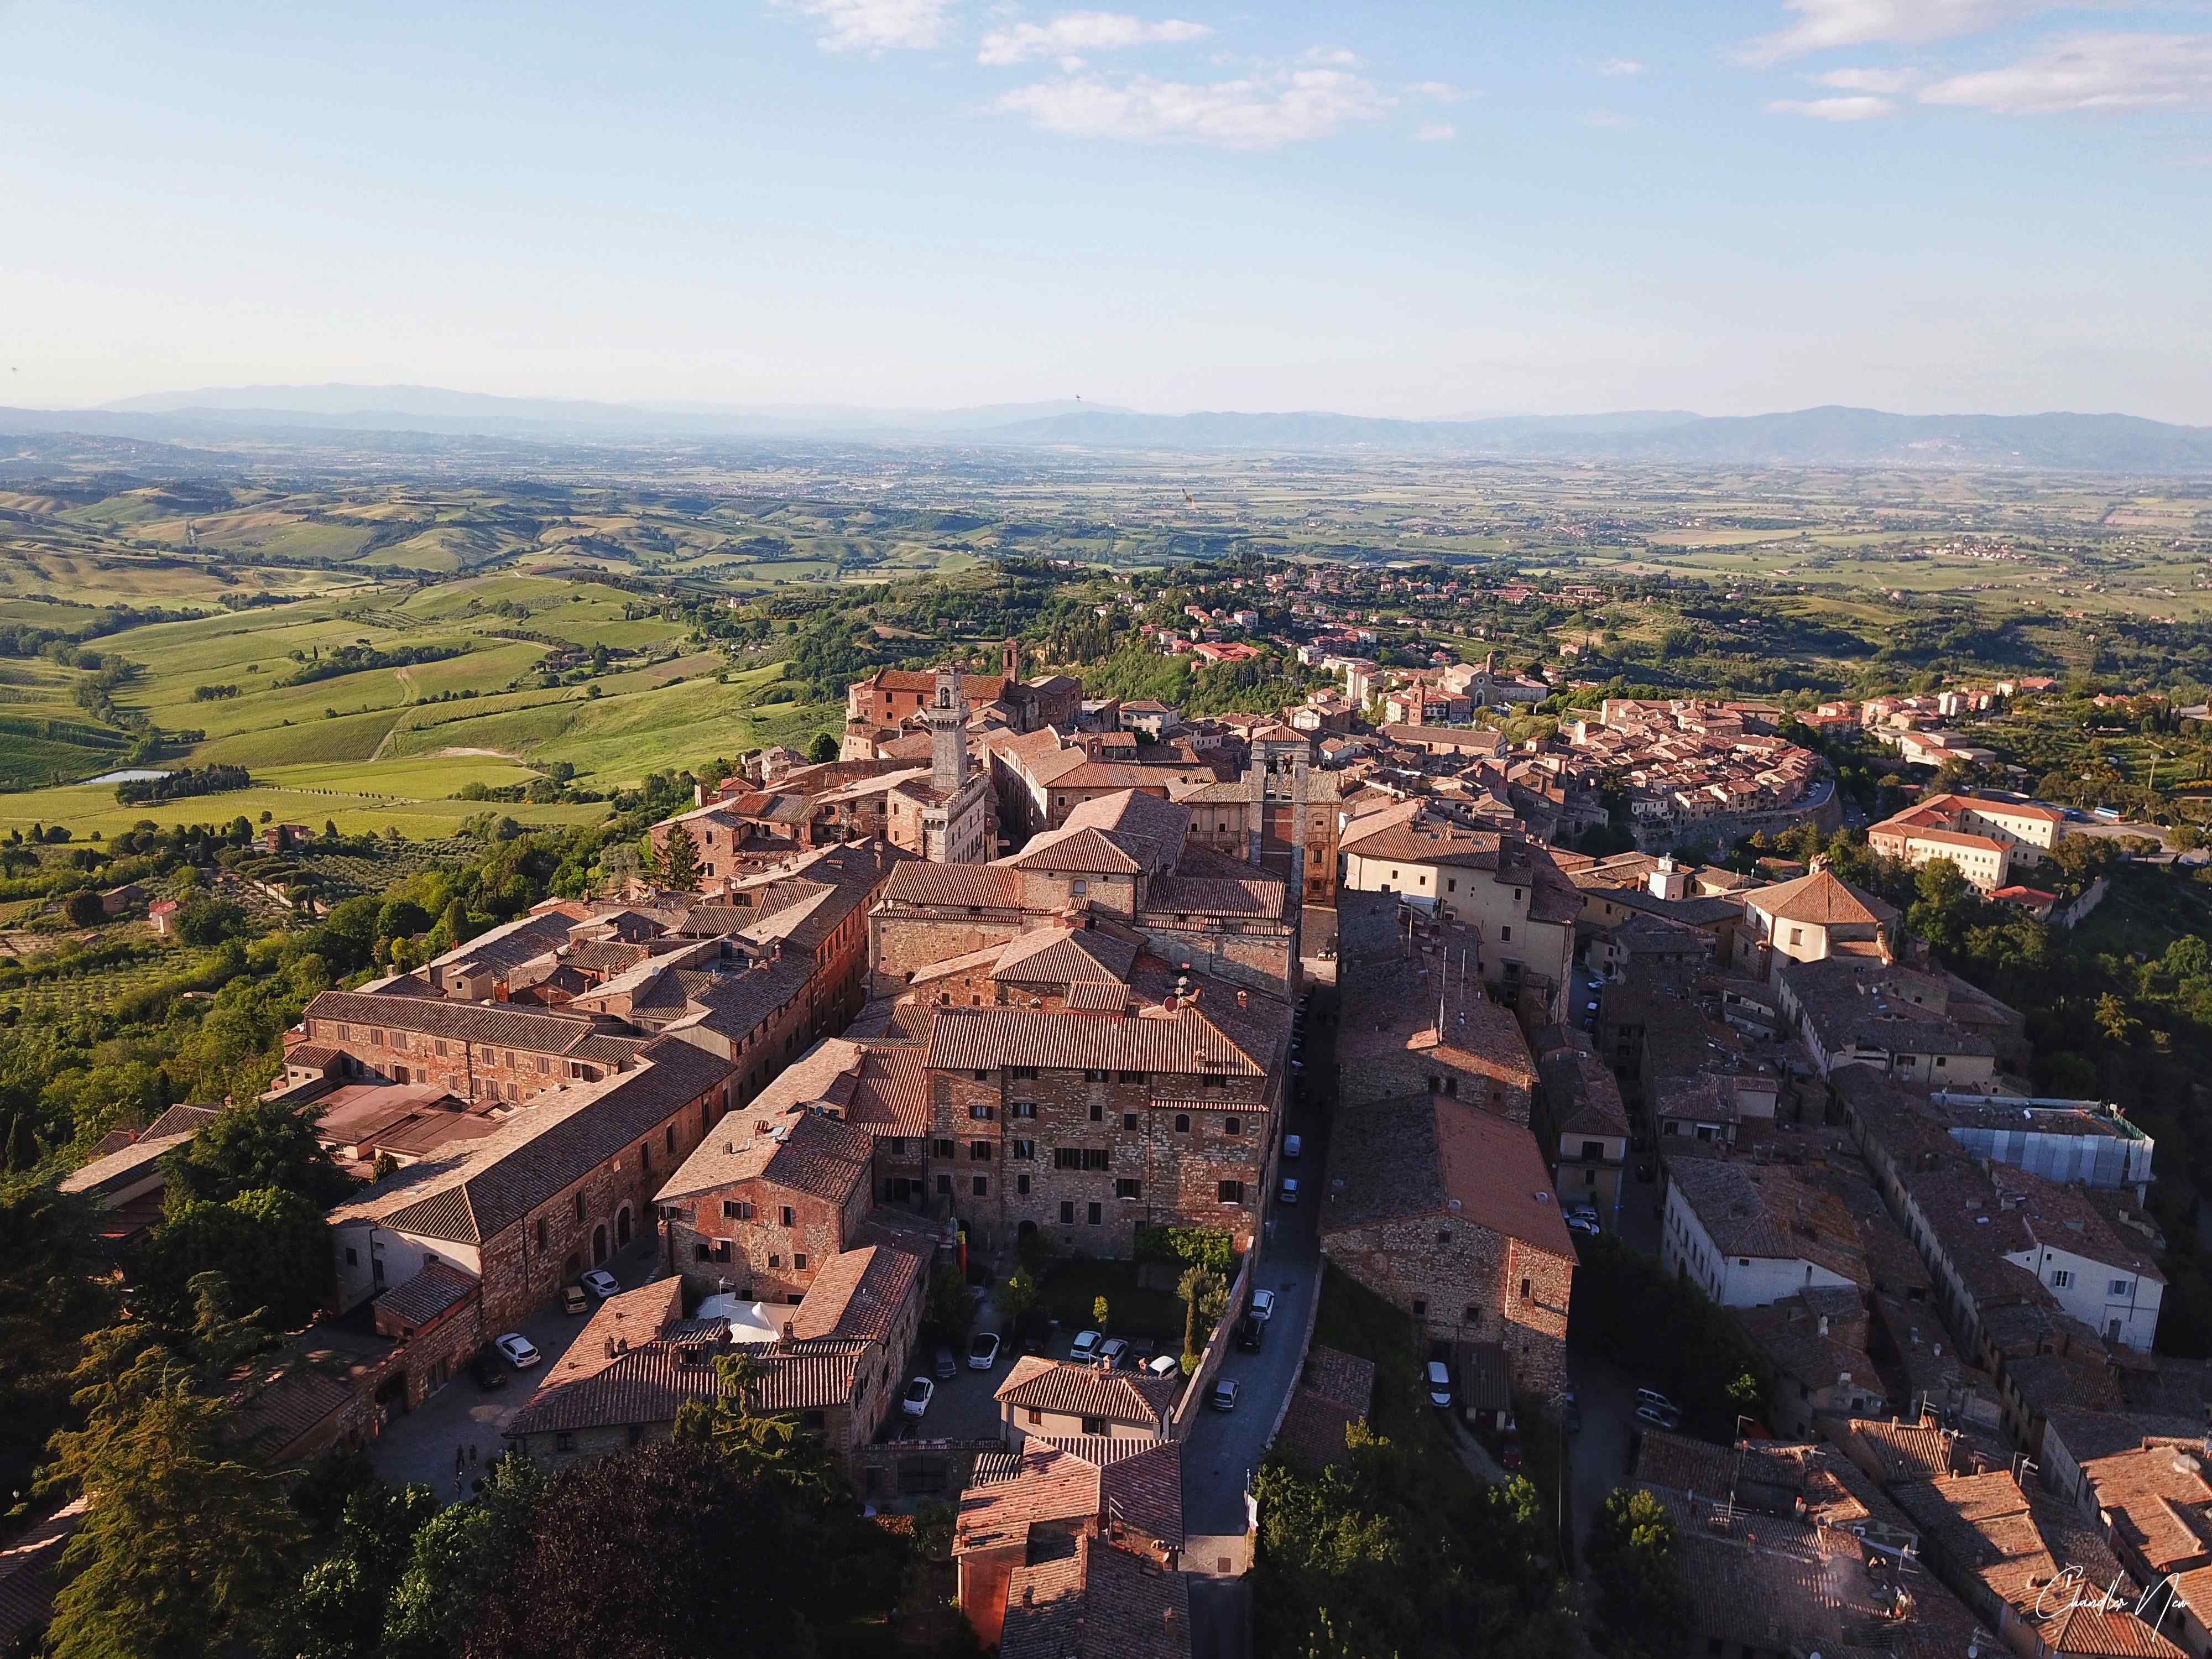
(420, 1446)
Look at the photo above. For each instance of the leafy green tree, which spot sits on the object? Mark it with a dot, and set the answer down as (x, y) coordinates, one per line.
(824, 748)
(210, 921)
(273, 1246)
(84, 909)
(1195, 1287)
(260, 1144)
(182, 1551)
(339, 1611)
(457, 1557)
(21, 1153)
(1633, 1559)
(55, 1287)
(770, 1447)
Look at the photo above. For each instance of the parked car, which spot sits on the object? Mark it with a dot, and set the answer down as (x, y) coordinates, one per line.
(600, 1282)
(1509, 1453)
(485, 1369)
(1292, 1146)
(919, 1392)
(1263, 1305)
(520, 1351)
(947, 1367)
(1033, 1332)
(1249, 1333)
(1290, 1193)
(1584, 1219)
(1659, 1417)
(1142, 1350)
(575, 1300)
(1644, 1171)
(1166, 1365)
(1085, 1347)
(1440, 1389)
(1225, 1394)
(1653, 1397)
(1111, 1352)
(983, 1352)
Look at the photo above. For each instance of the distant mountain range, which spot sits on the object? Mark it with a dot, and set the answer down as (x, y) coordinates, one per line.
(1828, 436)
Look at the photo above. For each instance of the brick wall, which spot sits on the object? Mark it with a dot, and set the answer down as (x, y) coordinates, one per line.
(1462, 1282)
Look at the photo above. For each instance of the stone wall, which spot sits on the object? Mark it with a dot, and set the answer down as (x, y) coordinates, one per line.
(1460, 1282)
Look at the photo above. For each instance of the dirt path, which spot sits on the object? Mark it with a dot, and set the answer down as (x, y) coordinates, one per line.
(406, 677)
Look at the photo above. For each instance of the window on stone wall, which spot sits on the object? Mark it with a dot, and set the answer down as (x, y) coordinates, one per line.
(1023, 1149)
(1473, 1314)
(1129, 1120)
(980, 1110)
(580, 1206)
(981, 1185)
(799, 1262)
(786, 1215)
(1232, 1192)
(1022, 1185)
(1022, 1108)
(1134, 1077)
(1420, 1309)
(1067, 1212)
(1020, 1073)
(776, 1261)
(1127, 1188)
(1097, 1214)
(979, 1152)
(737, 1209)
(1182, 1123)
(1524, 1289)
(542, 1231)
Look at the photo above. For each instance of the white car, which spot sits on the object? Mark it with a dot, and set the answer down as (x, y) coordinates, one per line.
(983, 1352)
(1290, 1193)
(1085, 1347)
(1584, 1219)
(1439, 1385)
(1111, 1352)
(1292, 1146)
(519, 1350)
(1263, 1305)
(600, 1282)
(919, 1392)
(1225, 1394)
(1164, 1364)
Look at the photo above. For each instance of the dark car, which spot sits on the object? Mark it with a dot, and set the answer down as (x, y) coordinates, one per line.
(486, 1369)
(1249, 1333)
(1509, 1453)
(1033, 1332)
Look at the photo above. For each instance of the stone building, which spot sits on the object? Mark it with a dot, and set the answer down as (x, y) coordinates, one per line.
(1810, 920)
(1448, 1211)
(1129, 857)
(836, 1367)
(563, 1183)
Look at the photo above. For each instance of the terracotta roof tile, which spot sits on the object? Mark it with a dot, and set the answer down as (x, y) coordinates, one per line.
(1040, 1384)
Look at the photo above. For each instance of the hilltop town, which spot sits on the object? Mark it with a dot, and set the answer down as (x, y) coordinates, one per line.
(1066, 1109)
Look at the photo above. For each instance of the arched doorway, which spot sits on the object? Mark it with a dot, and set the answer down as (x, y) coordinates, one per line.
(598, 1244)
(573, 1265)
(1027, 1229)
(622, 1227)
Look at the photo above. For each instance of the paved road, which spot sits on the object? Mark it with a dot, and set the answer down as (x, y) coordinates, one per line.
(420, 1446)
(1226, 1447)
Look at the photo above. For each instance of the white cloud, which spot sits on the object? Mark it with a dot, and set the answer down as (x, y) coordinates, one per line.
(1832, 109)
(1611, 119)
(1437, 92)
(1883, 81)
(1073, 32)
(878, 25)
(1334, 56)
(1434, 132)
(1620, 66)
(1255, 112)
(2090, 72)
(1822, 25)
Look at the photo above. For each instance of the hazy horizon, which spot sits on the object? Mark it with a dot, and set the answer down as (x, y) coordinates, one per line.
(1736, 207)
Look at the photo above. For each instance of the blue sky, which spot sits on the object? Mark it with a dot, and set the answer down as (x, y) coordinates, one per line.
(1917, 204)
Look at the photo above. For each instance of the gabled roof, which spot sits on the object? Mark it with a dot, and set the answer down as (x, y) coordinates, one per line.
(477, 1192)
(860, 1293)
(1076, 850)
(990, 886)
(1061, 956)
(986, 1039)
(1040, 1384)
(1421, 1155)
(1099, 1602)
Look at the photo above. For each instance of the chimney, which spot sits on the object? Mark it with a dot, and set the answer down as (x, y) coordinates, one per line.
(790, 1333)
(1028, 1596)
(1243, 1001)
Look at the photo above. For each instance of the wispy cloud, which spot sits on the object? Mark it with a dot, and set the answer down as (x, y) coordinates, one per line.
(878, 25)
(1068, 36)
(1260, 111)
(1833, 109)
(1620, 66)
(1823, 25)
(2080, 72)
(1434, 132)
(1437, 92)
(1332, 56)
(1886, 82)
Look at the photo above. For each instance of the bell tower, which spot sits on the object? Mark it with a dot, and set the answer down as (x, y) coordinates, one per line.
(948, 734)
